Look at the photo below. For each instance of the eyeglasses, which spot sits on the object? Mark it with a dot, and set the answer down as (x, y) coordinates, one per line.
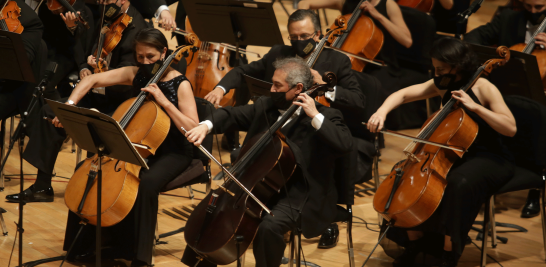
(304, 36)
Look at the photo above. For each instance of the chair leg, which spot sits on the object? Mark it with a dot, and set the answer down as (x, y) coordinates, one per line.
(190, 191)
(350, 237)
(73, 146)
(78, 155)
(291, 250)
(2, 223)
(295, 252)
(543, 216)
(3, 147)
(486, 222)
(493, 222)
(376, 179)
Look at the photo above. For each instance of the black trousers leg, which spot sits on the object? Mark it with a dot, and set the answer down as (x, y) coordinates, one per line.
(64, 66)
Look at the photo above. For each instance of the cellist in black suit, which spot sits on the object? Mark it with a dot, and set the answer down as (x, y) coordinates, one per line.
(316, 134)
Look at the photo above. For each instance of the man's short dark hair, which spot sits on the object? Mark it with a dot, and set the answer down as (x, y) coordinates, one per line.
(301, 14)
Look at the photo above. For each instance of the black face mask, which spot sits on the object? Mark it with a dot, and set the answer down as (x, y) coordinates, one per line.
(447, 82)
(534, 18)
(149, 70)
(303, 47)
(111, 11)
(279, 100)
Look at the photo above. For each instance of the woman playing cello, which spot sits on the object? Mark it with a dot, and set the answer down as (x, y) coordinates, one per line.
(133, 237)
(481, 171)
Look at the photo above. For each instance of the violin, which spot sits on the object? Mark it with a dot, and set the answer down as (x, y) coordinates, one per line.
(357, 34)
(413, 190)
(147, 126)
(421, 5)
(109, 38)
(264, 165)
(539, 53)
(9, 17)
(61, 6)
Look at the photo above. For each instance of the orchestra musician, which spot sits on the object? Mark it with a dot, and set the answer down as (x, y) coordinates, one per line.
(45, 143)
(316, 134)
(304, 29)
(509, 28)
(67, 42)
(15, 95)
(154, 9)
(484, 168)
(132, 238)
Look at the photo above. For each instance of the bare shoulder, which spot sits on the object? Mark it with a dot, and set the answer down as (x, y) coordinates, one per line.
(485, 91)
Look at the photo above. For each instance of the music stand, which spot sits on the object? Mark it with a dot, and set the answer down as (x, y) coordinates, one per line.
(16, 66)
(101, 134)
(519, 76)
(257, 87)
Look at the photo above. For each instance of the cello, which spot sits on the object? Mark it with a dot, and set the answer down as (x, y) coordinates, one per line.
(413, 190)
(211, 66)
(421, 5)
(539, 53)
(357, 34)
(146, 125)
(9, 17)
(265, 164)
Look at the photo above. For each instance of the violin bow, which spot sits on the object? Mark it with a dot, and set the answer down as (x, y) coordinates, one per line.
(230, 175)
(415, 139)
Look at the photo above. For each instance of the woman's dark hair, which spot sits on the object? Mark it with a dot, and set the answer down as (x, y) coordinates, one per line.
(456, 53)
(150, 37)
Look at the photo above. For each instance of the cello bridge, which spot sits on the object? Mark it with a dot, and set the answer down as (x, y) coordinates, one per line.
(411, 156)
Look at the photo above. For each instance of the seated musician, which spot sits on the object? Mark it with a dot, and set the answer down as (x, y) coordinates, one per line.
(15, 95)
(320, 136)
(133, 237)
(46, 141)
(304, 30)
(485, 168)
(510, 28)
(67, 42)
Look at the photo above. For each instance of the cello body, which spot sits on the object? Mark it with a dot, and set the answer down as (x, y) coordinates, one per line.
(212, 235)
(364, 39)
(421, 5)
(423, 180)
(209, 65)
(149, 126)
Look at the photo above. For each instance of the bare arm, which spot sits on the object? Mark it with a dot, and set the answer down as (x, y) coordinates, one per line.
(396, 26)
(494, 110)
(186, 113)
(316, 4)
(447, 4)
(121, 76)
(406, 95)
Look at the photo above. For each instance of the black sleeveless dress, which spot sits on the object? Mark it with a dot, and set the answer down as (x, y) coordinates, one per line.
(481, 172)
(133, 237)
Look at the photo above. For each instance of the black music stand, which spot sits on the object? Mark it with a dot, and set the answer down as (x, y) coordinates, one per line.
(101, 134)
(257, 87)
(519, 76)
(16, 66)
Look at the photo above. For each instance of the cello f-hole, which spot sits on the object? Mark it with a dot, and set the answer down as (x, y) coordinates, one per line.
(424, 163)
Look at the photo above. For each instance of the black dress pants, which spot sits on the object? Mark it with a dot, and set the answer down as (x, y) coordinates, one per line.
(268, 244)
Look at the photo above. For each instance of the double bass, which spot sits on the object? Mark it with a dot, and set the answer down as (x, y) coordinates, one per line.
(413, 190)
(234, 209)
(147, 125)
(538, 52)
(210, 66)
(9, 17)
(357, 34)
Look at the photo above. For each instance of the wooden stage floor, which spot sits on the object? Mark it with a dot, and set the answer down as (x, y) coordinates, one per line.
(44, 223)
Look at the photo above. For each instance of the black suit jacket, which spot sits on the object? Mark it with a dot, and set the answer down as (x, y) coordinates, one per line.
(507, 29)
(148, 7)
(315, 152)
(32, 34)
(348, 94)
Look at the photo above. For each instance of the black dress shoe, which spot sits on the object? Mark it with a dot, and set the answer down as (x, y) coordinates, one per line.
(330, 237)
(450, 259)
(532, 206)
(32, 195)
